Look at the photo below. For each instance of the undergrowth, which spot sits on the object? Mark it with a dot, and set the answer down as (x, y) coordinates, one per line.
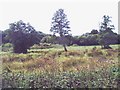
(90, 67)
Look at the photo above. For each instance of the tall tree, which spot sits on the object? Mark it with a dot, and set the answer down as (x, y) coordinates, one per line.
(22, 36)
(106, 33)
(60, 25)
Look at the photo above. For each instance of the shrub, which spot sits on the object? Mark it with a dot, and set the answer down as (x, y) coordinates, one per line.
(7, 47)
(95, 52)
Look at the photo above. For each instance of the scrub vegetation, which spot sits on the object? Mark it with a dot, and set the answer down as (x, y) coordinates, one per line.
(33, 59)
(80, 67)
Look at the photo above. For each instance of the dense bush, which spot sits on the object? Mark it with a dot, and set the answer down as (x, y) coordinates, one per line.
(105, 79)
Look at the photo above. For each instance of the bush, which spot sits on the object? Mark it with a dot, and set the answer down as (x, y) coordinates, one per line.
(103, 78)
(7, 47)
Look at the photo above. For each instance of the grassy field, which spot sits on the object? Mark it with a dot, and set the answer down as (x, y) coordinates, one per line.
(80, 67)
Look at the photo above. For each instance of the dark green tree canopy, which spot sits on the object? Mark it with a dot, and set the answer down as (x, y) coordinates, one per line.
(22, 36)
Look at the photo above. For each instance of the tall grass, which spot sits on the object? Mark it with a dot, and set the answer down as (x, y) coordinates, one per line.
(80, 67)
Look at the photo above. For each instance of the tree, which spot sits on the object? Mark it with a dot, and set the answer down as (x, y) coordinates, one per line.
(60, 25)
(106, 33)
(49, 39)
(5, 36)
(94, 31)
(22, 36)
(76, 40)
(118, 36)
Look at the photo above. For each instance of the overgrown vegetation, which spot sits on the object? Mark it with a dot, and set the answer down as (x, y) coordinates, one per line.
(32, 59)
(80, 67)
(23, 35)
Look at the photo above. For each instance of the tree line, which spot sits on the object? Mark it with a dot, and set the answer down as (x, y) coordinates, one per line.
(23, 35)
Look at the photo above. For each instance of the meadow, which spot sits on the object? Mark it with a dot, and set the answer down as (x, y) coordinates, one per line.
(80, 67)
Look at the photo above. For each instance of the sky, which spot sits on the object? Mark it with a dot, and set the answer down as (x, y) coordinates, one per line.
(84, 15)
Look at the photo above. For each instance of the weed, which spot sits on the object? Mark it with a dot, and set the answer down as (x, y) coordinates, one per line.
(80, 67)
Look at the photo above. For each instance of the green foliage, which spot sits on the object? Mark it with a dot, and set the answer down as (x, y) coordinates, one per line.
(106, 34)
(54, 68)
(5, 37)
(94, 31)
(94, 79)
(60, 25)
(48, 66)
(7, 47)
(22, 36)
(49, 39)
(118, 38)
(106, 24)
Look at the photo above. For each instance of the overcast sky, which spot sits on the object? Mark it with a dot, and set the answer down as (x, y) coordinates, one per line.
(83, 15)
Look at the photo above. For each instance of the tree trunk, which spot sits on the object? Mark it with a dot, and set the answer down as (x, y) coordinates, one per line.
(63, 42)
(65, 47)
